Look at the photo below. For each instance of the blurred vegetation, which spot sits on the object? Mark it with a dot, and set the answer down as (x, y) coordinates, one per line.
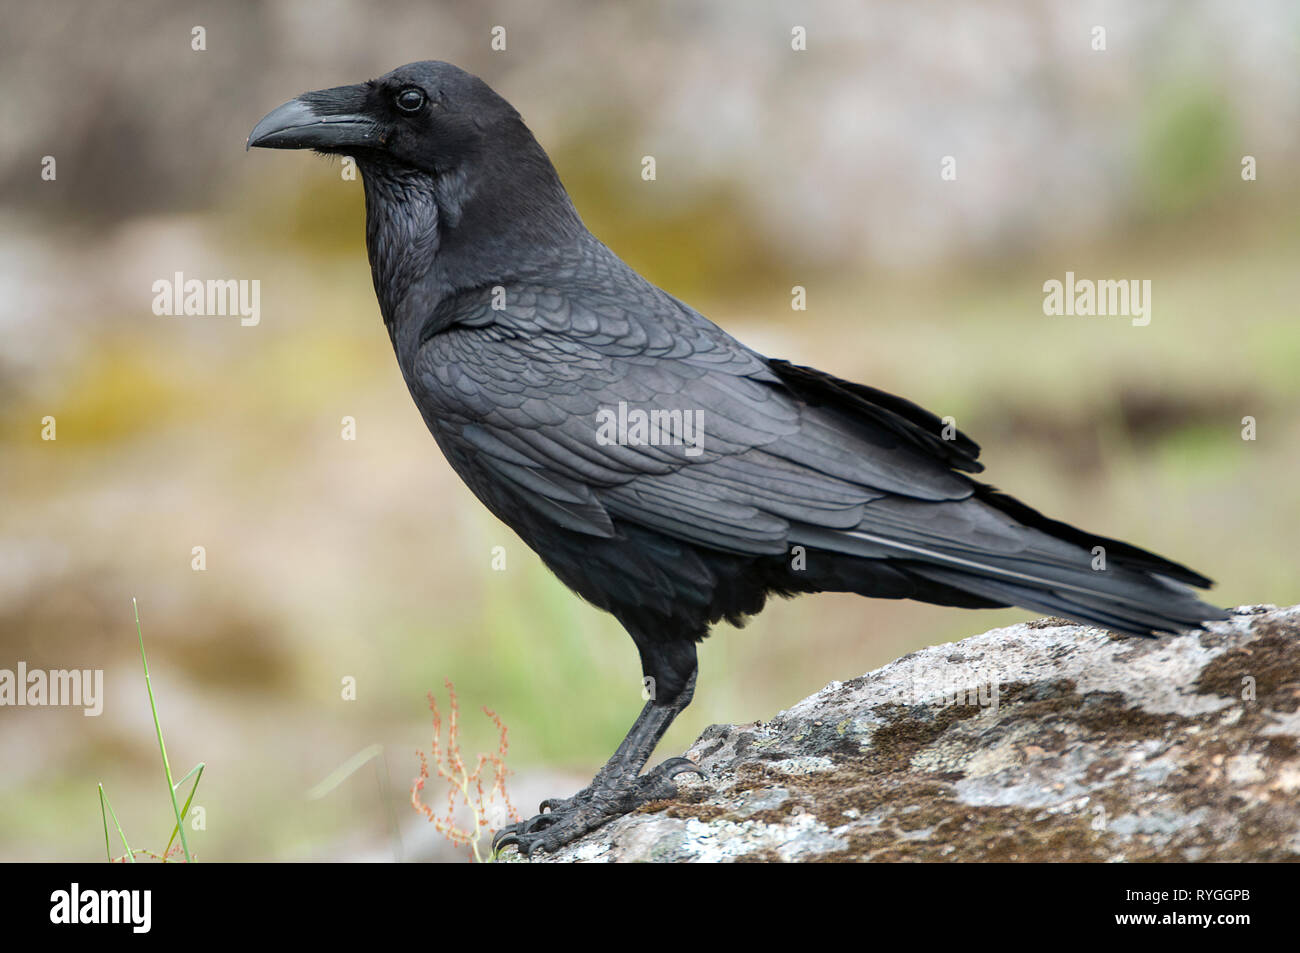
(368, 559)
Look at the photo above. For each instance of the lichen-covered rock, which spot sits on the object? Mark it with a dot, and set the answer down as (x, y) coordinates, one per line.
(1041, 741)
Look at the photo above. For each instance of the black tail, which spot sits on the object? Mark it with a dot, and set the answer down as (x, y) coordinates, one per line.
(991, 550)
(987, 549)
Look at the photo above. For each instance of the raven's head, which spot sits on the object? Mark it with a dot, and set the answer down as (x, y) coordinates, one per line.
(449, 168)
(429, 116)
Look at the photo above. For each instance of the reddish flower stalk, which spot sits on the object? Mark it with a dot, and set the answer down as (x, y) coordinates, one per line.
(463, 787)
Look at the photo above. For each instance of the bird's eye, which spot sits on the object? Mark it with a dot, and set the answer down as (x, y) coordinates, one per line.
(410, 99)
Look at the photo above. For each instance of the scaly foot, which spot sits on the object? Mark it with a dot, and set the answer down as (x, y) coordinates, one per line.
(566, 819)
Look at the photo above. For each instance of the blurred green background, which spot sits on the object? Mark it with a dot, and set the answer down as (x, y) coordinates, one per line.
(329, 558)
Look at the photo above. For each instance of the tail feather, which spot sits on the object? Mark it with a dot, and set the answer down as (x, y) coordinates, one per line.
(1136, 593)
(1117, 550)
(1167, 612)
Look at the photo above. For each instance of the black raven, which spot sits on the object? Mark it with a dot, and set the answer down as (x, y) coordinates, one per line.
(661, 469)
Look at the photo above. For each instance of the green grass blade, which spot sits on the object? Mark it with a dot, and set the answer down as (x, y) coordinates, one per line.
(198, 767)
(105, 802)
(344, 771)
(157, 725)
(185, 811)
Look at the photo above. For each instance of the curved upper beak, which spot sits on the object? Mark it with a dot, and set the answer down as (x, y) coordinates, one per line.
(329, 121)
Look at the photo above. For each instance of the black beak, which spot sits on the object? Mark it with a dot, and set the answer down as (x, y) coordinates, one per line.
(330, 120)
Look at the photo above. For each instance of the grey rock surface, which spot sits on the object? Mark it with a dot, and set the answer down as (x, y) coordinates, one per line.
(1041, 741)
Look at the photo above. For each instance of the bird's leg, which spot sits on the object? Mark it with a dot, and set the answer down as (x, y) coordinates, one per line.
(635, 750)
(617, 789)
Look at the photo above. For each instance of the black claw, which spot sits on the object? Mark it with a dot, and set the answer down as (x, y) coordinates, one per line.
(562, 820)
(538, 823)
(675, 766)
